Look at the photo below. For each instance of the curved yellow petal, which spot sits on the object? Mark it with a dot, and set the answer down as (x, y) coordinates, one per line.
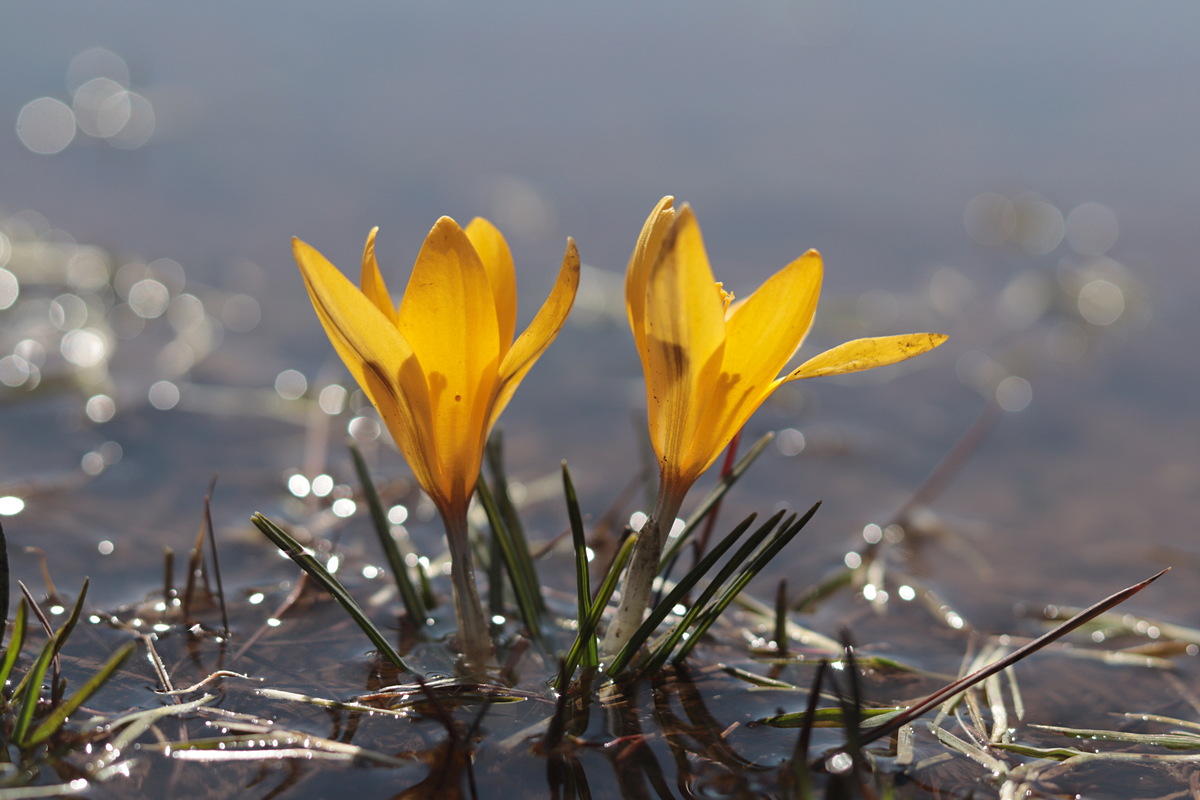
(761, 335)
(377, 355)
(863, 354)
(372, 282)
(637, 274)
(685, 339)
(540, 333)
(448, 316)
(497, 260)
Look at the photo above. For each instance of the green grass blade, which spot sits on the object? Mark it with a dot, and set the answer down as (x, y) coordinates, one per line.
(760, 560)
(588, 626)
(512, 520)
(30, 690)
(76, 612)
(714, 497)
(524, 585)
(59, 715)
(662, 650)
(688, 582)
(583, 582)
(391, 548)
(293, 550)
(4, 584)
(15, 642)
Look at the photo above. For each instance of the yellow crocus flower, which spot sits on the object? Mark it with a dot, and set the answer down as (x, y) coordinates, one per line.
(710, 363)
(441, 366)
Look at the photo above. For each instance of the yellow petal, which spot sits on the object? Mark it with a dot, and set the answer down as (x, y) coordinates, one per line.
(685, 338)
(863, 354)
(448, 315)
(766, 328)
(637, 275)
(537, 337)
(372, 281)
(377, 355)
(497, 260)
(760, 337)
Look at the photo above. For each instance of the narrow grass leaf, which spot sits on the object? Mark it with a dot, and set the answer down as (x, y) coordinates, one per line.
(391, 548)
(59, 715)
(524, 585)
(830, 717)
(583, 581)
(29, 691)
(4, 585)
(15, 642)
(68, 627)
(966, 682)
(664, 607)
(588, 626)
(293, 550)
(760, 560)
(494, 452)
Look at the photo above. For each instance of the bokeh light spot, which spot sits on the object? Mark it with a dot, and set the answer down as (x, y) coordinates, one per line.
(298, 485)
(10, 506)
(1091, 229)
(149, 298)
(1014, 393)
(1101, 302)
(164, 395)
(100, 408)
(84, 348)
(10, 289)
(332, 399)
(46, 126)
(290, 384)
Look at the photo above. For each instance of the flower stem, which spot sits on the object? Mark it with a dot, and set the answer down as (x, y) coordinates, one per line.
(473, 638)
(638, 583)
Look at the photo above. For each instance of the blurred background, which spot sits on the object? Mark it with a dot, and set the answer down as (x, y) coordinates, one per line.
(1021, 176)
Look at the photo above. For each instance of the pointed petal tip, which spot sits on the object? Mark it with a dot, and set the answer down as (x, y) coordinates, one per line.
(445, 223)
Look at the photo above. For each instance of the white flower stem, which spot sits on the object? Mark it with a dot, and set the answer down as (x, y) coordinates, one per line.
(638, 582)
(473, 638)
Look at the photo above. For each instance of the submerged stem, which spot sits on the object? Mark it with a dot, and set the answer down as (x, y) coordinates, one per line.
(473, 638)
(638, 583)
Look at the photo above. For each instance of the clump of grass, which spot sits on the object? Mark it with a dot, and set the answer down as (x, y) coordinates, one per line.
(33, 715)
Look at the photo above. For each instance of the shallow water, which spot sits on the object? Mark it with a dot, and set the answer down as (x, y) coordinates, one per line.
(1020, 178)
